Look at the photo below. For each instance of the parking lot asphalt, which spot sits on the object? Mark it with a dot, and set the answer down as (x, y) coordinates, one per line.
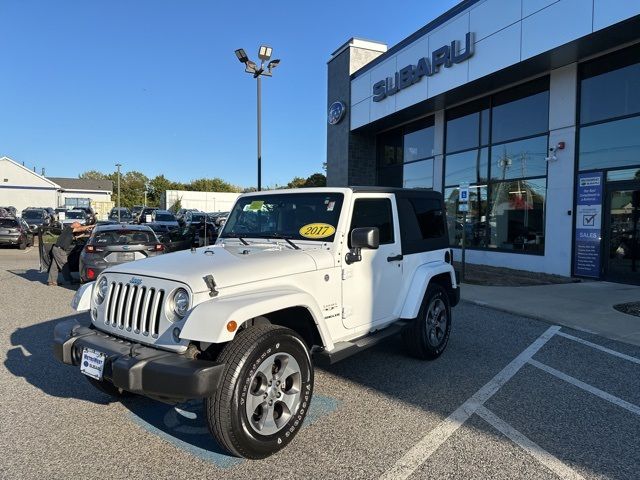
(510, 398)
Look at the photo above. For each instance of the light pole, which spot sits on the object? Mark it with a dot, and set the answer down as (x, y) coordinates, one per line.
(146, 189)
(118, 165)
(264, 54)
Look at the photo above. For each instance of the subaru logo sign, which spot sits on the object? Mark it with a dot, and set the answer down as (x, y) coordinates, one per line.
(336, 112)
(135, 281)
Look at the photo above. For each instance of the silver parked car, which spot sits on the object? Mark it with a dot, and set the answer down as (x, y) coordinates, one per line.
(113, 244)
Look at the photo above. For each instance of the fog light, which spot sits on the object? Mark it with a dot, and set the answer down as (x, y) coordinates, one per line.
(176, 335)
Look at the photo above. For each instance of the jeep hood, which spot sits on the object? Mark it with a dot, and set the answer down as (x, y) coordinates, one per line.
(229, 265)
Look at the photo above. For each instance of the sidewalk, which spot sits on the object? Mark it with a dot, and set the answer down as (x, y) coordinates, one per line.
(586, 306)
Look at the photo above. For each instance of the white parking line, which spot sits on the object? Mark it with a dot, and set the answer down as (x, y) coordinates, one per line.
(532, 448)
(422, 450)
(586, 387)
(600, 347)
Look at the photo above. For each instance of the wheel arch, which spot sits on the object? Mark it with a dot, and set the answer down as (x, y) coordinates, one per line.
(441, 273)
(293, 309)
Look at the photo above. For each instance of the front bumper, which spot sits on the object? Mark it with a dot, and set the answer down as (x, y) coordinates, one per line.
(136, 368)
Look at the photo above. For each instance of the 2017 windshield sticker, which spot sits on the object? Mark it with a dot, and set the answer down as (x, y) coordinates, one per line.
(317, 230)
(256, 205)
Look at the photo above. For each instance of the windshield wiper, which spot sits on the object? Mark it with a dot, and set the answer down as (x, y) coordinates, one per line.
(235, 235)
(278, 236)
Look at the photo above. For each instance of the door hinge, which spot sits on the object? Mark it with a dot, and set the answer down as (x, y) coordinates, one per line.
(346, 312)
(347, 273)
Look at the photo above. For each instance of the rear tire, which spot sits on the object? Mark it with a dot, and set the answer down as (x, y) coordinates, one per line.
(427, 335)
(264, 393)
(109, 388)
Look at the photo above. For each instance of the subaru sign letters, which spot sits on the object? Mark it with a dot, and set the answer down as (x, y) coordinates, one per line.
(445, 56)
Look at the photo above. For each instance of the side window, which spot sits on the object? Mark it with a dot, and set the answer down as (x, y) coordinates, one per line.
(374, 212)
(428, 212)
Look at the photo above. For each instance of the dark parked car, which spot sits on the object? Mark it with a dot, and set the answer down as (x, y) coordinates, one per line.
(146, 214)
(193, 216)
(15, 231)
(113, 244)
(36, 217)
(125, 215)
(180, 239)
(10, 210)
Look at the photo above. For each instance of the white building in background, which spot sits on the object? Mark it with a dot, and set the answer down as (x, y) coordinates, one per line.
(203, 201)
(72, 189)
(22, 188)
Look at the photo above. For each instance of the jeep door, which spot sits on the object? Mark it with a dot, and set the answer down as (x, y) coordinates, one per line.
(371, 287)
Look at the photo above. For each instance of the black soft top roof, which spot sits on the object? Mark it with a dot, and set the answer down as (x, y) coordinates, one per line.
(404, 192)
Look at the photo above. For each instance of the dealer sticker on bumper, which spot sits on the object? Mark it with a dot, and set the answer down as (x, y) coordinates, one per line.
(92, 363)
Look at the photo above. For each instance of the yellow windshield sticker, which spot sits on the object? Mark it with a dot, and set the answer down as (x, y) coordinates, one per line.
(256, 205)
(317, 230)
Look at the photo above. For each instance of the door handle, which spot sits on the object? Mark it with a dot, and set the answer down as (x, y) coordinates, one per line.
(397, 258)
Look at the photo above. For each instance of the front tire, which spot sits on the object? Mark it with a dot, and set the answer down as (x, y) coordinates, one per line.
(427, 335)
(264, 393)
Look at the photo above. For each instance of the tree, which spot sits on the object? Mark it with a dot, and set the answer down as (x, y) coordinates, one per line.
(297, 182)
(211, 185)
(93, 175)
(316, 180)
(158, 185)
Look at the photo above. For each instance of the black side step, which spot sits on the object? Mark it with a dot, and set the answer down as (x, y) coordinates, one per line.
(342, 350)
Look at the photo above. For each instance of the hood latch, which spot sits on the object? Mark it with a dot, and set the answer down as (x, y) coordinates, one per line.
(211, 284)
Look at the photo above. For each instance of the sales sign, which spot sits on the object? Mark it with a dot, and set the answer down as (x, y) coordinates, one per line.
(588, 225)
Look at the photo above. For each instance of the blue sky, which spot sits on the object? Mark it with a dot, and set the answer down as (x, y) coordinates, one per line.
(154, 84)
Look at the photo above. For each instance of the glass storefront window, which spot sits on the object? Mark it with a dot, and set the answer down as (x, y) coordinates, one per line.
(470, 166)
(462, 133)
(468, 126)
(521, 159)
(476, 224)
(516, 215)
(610, 86)
(520, 118)
(389, 149)
(621, 175)
(418, 174)
(609, 145)
(390, 176)
(418, 144)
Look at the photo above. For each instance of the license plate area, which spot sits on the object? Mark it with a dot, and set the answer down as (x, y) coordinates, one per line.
(126, 256)
(4, 232)
(92, 364)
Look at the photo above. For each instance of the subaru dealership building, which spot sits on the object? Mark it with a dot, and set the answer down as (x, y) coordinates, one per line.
(533, 105)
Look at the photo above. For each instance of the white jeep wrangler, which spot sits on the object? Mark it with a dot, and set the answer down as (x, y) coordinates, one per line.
(295, 275)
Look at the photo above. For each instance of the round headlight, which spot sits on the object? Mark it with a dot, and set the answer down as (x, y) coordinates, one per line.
(180, 303)
(101, 290)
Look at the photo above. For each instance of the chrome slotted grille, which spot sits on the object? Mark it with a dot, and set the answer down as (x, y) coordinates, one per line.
(134, 308)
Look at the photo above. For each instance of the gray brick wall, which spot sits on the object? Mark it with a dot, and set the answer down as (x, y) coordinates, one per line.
(351, 158)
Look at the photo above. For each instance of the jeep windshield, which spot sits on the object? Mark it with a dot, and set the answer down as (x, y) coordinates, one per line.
(294, 216)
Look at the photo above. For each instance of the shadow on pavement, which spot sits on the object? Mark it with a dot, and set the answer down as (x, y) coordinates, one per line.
(35, 275)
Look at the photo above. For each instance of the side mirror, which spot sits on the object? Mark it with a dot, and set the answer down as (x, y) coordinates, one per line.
(365, 237)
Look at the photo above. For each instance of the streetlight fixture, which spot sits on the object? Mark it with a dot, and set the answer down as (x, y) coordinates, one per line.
(264, 54)
(118, 165)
